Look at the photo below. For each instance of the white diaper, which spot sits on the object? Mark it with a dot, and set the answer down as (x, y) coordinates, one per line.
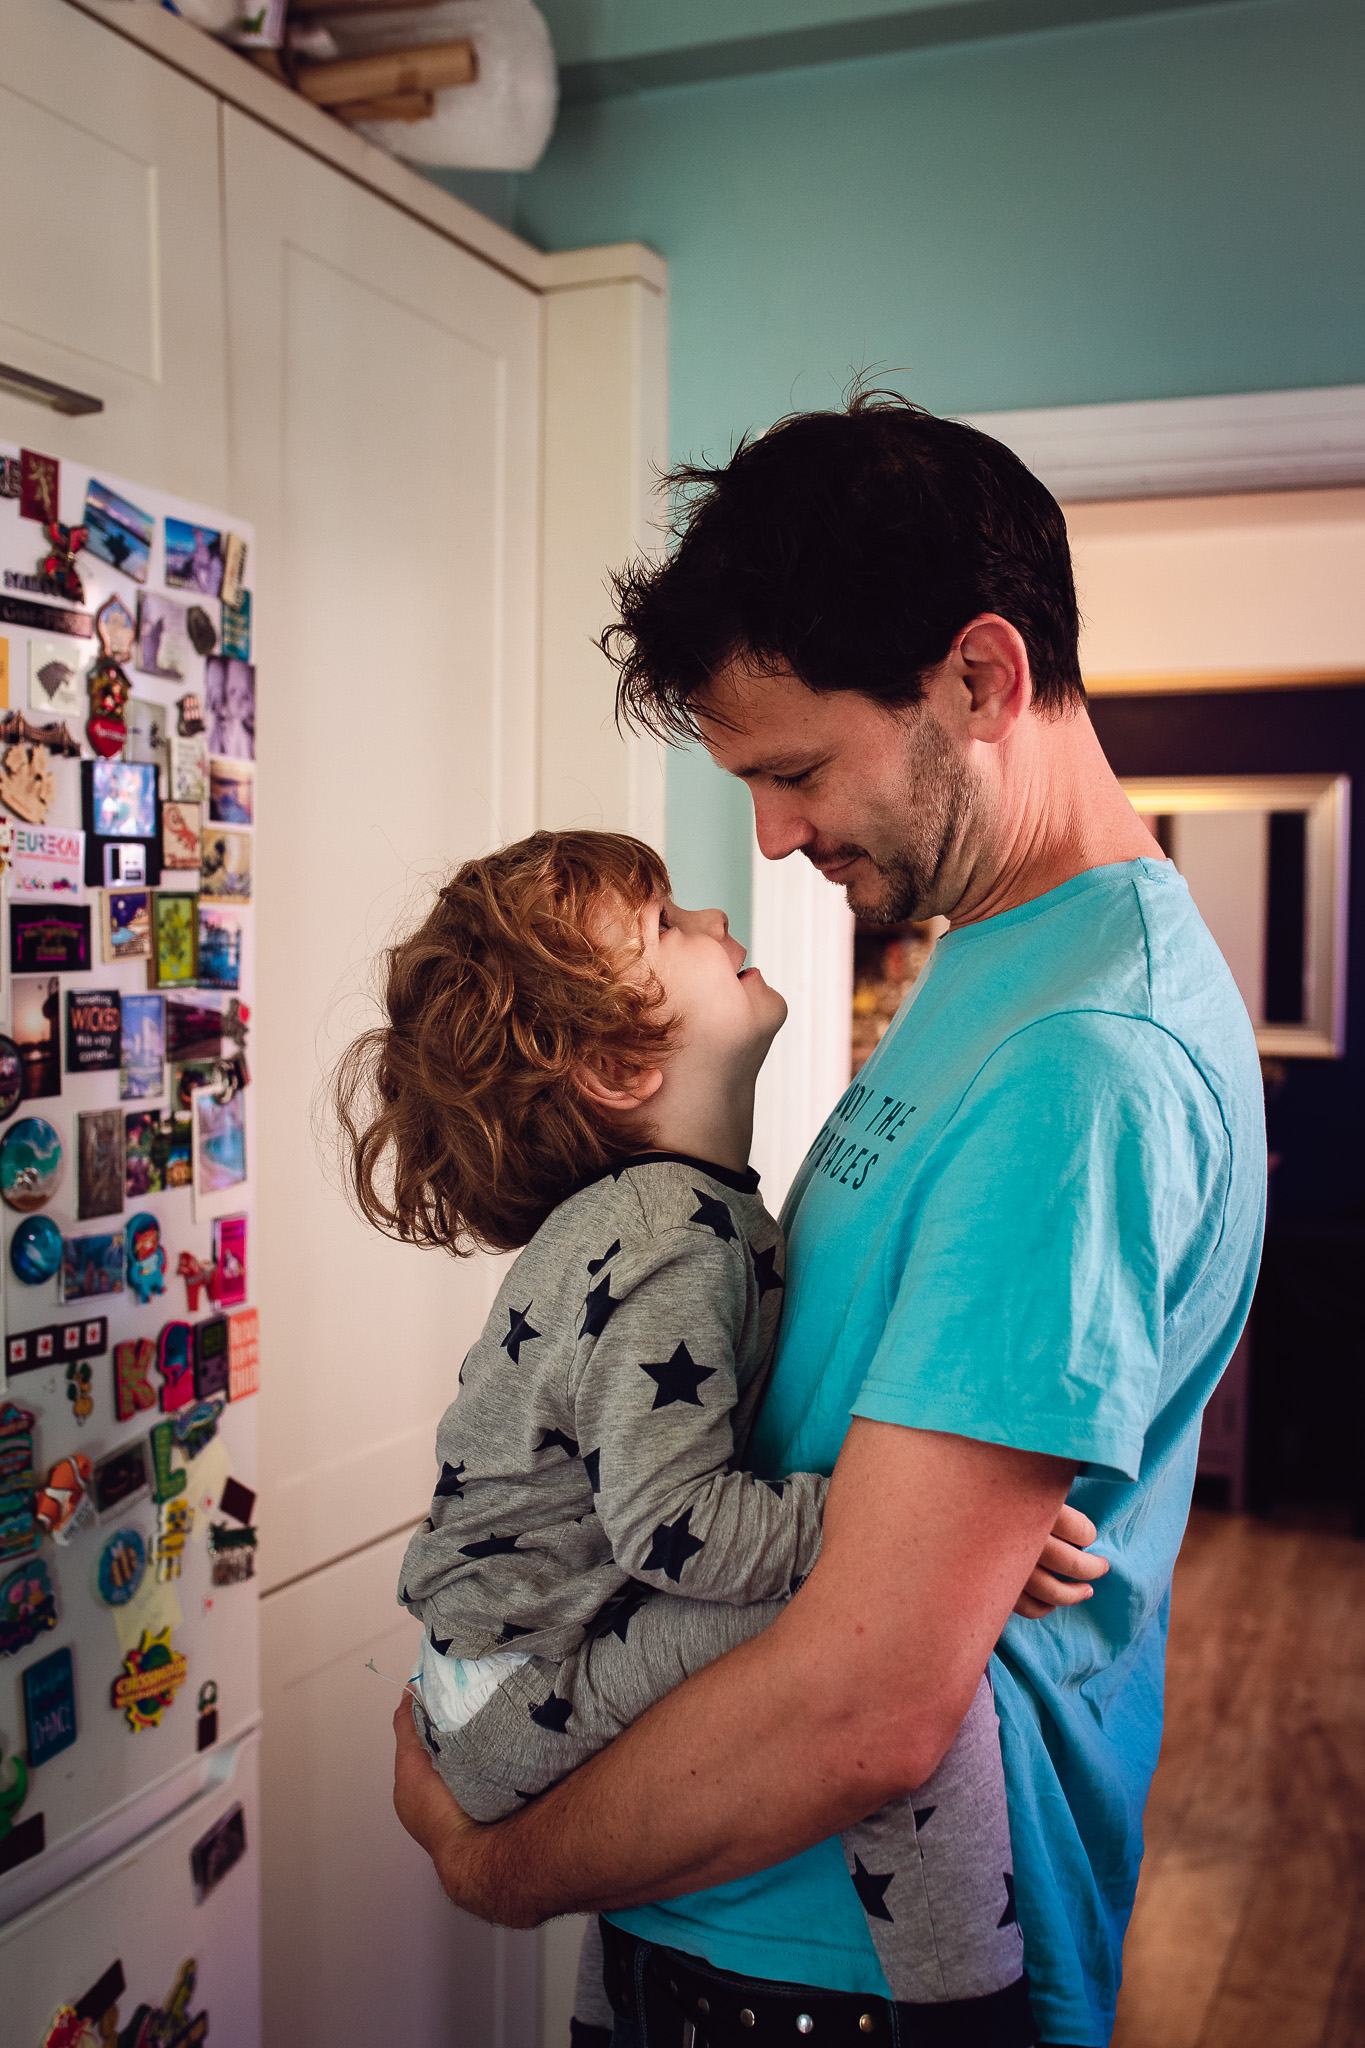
(454, 1688)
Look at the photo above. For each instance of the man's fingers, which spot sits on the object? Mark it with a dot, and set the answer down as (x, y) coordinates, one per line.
(1051, 1591)
(1074, 1527)
(1069, 1563)
(1031, 1609)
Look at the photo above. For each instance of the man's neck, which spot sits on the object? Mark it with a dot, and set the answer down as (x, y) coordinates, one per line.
(1058, 810)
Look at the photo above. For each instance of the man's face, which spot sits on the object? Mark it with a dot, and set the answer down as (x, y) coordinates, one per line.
(879, 800)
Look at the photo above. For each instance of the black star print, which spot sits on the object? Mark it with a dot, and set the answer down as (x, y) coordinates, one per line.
(553, 1713)
(450, 1485)
(923, 1815)
(871, 1890)
(442, 1649)
(715, 1216)
(765, 1271)
(624, 1610)
(592, 1465)
(519, 1334)
(1010, 1916)
(670, 1547)
(598, 1309)
(677, 1378)
(555, 1439)
(777, 1486)
(492, 1546)
(596, 1265)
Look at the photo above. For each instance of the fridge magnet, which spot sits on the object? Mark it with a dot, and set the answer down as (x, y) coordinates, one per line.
(121, 1478)
(27, 783)
(57, 574)
(10, 474)
(97, 2012)
(39, 486)
(211, 1358)
(79, 1390)
(238, 1501)
(123, 799)
(244, 1354)
(62, 1503)
(233, 585)
(232, 1554)
(232, 791)
(196, 1274)
(123, 1561)
(19, 1530)
(175, 1366)
(206, 1706)
(219, 945)
(99, 1163)
(194, 557)
(18, 1839)
(50, 1707)
(144, 1154)
(226, 1077)
(181, 825)
(153, 1674)
(146, 1262)
(163, 640)
(237, 628)
(120, 532)
(168, 1479)
(189, 714)
(125, 863)
(201, 629)
(17, 728)
(77, 1337)
(6, 839)
(133, 1389)
(175, 939)
(174, 1532)
(35, 1251)
(47, 860)
(219, 1153)
(49, 938)
(108, 682)
(28, 1607)
(11, 1077)
(142, 1041)
(36, 1004)
(229, 1253)
(127, 925)
(30, 1163)
(94, 1035)
(149, 737)
(194, 1027)
(4, 671)
(45, 618)
(226, 868)
(230, 707)
(54, 683)
(189, 768)
(196, 1427)
(92, 1266)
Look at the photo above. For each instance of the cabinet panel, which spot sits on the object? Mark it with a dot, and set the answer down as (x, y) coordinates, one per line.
(111, 251)
(385, 398)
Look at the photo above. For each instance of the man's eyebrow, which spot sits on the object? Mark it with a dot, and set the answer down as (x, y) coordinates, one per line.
(785, 765)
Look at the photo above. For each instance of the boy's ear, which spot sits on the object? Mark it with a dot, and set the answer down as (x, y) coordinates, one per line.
(615, 1088)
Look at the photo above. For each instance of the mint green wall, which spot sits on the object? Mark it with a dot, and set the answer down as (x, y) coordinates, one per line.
(1137, 209)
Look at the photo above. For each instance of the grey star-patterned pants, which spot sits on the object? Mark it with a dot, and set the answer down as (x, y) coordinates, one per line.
(933, 1871)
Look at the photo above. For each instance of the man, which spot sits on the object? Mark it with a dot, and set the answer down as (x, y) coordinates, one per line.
(1020, 1252)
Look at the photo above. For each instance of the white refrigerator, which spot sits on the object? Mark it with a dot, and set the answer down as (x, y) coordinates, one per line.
(129, 1663)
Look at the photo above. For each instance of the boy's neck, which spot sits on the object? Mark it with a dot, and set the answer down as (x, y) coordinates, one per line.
(704, 1116)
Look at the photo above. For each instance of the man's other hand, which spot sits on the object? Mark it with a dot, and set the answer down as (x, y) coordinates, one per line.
(1064, 1568)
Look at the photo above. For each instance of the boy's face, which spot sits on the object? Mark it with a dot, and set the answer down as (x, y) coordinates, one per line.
(726, 1009)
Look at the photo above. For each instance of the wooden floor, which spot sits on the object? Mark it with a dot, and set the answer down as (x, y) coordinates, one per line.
(1249, 1929)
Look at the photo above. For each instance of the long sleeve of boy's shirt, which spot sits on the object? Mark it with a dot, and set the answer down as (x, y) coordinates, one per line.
(603, 1418)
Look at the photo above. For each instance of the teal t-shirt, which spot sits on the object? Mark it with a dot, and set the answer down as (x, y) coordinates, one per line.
(1034, 1219)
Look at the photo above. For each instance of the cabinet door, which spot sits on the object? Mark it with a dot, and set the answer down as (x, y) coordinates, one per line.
(111, 252)
(384, 406)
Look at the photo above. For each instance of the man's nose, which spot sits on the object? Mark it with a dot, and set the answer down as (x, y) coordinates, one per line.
(780, 827)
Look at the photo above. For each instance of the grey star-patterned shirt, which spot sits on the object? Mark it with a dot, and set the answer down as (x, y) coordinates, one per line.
(603, 1417)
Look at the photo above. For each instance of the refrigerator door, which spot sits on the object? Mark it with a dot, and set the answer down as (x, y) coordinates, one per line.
(187, 1890)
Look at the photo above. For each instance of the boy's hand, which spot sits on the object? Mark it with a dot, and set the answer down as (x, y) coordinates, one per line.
(1064, 1561)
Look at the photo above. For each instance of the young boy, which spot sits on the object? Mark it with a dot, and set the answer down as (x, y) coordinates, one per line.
(569, 1065)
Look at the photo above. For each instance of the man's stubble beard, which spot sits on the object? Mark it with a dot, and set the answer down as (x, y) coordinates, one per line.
(940, 801)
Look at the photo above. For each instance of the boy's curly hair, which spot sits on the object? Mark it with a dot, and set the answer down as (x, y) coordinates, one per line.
(462, 1123)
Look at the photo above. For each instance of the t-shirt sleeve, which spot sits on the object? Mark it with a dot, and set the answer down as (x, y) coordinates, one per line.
(1082, 1175)
(654, 1392)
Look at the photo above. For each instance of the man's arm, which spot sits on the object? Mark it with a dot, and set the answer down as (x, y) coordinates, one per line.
(850, 1698)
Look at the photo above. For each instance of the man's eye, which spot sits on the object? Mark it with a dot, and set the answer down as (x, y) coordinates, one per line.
(789, 781)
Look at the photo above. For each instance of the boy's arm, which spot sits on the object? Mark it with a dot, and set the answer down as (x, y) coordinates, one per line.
(654, 1397)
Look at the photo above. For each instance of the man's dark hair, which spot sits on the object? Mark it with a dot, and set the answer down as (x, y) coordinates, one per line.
(849, 548)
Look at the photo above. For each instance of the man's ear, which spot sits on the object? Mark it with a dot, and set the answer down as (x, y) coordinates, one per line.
(993, 662)
(615, 1088)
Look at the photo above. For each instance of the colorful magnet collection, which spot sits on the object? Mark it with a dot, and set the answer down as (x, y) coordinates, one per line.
(127, 816)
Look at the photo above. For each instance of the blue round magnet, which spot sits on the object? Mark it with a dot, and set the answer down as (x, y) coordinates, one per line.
(35, 1250)
(123, 1560)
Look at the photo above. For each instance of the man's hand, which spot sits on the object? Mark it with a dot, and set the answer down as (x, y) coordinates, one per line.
(421, 1799)
(1060, 1575)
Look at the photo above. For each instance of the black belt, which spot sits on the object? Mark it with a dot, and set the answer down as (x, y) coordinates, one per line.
(679, 2001)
